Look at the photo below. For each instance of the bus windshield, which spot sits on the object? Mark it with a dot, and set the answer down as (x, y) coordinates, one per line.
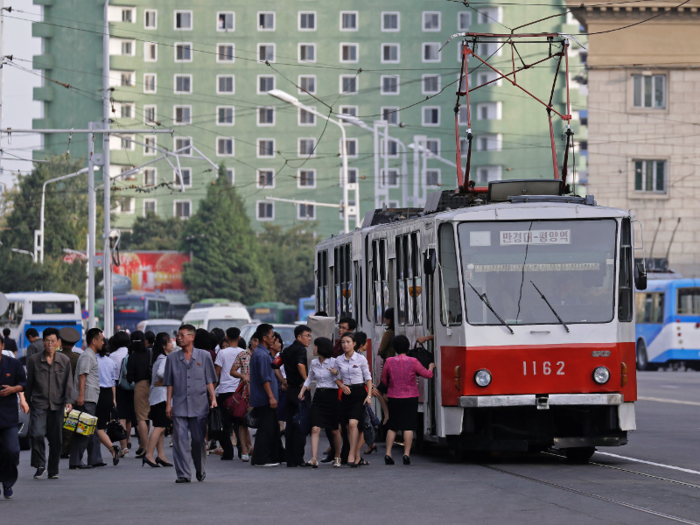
(522, 266)
(129, 305)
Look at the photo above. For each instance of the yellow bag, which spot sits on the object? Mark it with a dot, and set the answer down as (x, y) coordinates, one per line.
(80, 422)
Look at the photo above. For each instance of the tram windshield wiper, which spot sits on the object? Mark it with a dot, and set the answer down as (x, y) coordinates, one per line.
(551, 307)
(485, 300)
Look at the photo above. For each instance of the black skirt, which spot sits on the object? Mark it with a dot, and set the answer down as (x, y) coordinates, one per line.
(325, 409)
(105, 404)
(158, 417)
(353, 404)
(403, 413)
(125, 404)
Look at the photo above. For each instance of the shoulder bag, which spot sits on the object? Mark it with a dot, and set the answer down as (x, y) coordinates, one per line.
(123, 383)
(424, 357)
(236, 405)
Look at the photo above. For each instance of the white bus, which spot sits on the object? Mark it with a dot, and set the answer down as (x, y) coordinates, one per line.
(40, 310)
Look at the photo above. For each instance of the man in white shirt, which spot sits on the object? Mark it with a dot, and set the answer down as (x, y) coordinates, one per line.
(227, 386)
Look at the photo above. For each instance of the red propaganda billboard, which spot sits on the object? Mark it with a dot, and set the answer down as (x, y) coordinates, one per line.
(153, 271)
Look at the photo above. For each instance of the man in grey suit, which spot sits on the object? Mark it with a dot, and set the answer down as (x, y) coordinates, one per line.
(190, 378)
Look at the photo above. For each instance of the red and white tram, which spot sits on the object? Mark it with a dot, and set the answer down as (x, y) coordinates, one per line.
(528, 293)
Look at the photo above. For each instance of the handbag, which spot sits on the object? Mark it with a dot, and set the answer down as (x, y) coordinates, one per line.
(215, 424)
(236, 404)
(424, 357)
(371, 425)
(116, 431)
(123, 383)
(251, 419)
(302, 419)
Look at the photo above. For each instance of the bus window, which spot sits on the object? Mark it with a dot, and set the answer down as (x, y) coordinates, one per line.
(153, 309)
(12, 318)
(53, 307)
(688, 301)
(451, 310)
(650, 308)
(129, 305)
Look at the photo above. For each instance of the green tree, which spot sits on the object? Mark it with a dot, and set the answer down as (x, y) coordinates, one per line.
(227, 259)
(153, 233)
(291, 256)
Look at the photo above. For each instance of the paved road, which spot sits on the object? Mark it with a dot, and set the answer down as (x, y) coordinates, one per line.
(540, 489)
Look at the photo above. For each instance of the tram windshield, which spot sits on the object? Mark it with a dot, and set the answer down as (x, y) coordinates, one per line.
(533, 271)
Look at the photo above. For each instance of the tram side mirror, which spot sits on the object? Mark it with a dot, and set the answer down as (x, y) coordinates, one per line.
(430, 262)
(640, 276)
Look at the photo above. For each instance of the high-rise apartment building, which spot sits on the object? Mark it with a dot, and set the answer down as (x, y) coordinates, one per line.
(206, 68)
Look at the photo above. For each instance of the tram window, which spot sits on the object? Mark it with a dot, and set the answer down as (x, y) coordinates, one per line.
(451, 309)
(358, 291)
(626, 291)
(650, 307)
(343, 282)
(417, 289)
(688, 301)
(408, 280)
(380, 283)
(322, 281)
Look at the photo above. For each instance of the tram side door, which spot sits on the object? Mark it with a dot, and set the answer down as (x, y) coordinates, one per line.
(429, 268)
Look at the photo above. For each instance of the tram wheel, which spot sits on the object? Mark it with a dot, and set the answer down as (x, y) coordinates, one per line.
(579, 455)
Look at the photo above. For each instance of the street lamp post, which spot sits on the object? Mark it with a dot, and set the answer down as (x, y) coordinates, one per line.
(347, 210)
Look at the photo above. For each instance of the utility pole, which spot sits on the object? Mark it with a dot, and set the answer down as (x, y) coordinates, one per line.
(107, 259)
(2, 66)
(92, 220)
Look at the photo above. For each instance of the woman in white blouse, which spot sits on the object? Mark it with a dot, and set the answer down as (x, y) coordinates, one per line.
(325, 408)
(157, 397)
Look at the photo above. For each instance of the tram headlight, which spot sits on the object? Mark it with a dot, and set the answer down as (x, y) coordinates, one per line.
(482, 377)
(601, 375)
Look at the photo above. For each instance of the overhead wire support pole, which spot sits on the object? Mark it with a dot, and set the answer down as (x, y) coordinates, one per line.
(108, 315)
(92, 227)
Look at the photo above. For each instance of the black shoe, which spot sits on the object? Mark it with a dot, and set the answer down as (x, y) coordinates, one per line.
(53, 476)
(7, 492)
(65, 456)
(146, 461)
(226, 458)
(40, 473)
(406, 460)
(115, 459)
(182, 480)
(99, 465)
(163, 463)
(140, 453)
(79, 467)
(388, 460)
(328, 458)
(353, 465)
(201, 476)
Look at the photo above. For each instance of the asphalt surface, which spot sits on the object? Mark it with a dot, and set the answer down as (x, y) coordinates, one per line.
(539, 489)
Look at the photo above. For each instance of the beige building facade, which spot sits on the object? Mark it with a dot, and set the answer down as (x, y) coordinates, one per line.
(644, 120)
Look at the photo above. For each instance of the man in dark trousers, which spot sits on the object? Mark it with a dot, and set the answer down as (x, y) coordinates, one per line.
(296, 367)
(68, 338)
(49, 390)
(12, 383)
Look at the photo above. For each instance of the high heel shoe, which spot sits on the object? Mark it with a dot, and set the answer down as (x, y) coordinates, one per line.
(146, 461)
(163, 463)
(388, 460)
(313, 463)
(371, 449)
(406, 460)
(336, 463)
(115, 458)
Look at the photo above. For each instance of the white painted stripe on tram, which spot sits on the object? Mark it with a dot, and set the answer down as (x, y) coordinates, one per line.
(671, 467)
(666, 400)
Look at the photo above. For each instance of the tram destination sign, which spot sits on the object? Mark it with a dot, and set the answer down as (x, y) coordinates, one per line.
(513, 238)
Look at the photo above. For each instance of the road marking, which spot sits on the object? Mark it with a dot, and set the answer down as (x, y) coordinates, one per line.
(664, 400)
(672, 467)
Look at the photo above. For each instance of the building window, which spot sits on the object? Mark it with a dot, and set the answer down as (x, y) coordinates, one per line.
(650, 176)
(149, 206)
(432, 177)
(126, 110)
(183, 83)
(265, 211)
(463, 110)
(182, 209)
(489, 77)
(126, 205)
(431, 84)
(307, 52)
(225, 53)
(350, 111)
(149, 115)
(266, 52)
(433, 146)
(225, 115)
(183, 115)
(226, 21)
(127, 47)
(391, 115)
(225, 84)
(266, 148)
(224, 147)
(266, 179)
(350, 147)
(488, 142)
(464, 20)
(431, 52)
(128, 15)
(131, 175)
(183, 52)
(390, 22)
(307, 147)
(349, 52)
(186, 174)
(348, 85)
(183, 20)
(126, 143)
(307, 84)
(149, 83)
(488, 111)
(485, 174)
(127, 78)
(231, 175)
(431, 21)
(649, 91)
(390, 53)
(266, 21)
(307, 21)
(265, 84)
(306, 212)
(348, 20)
(390, 148)
(183, 145)
(390, 178)
(149, 176)
(150, 52)
(390, 85)
(306, 118)
(306, 179)
(150, 19)
(352, 176)
(150, 145)
(341, 214)
(431, 116)
(266, 116)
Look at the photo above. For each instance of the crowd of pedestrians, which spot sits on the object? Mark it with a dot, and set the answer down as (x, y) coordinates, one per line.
(163, 387)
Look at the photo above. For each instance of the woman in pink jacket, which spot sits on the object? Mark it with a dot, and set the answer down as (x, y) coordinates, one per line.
(399, 375)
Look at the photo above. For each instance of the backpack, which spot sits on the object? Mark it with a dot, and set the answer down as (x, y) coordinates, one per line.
(123, 383)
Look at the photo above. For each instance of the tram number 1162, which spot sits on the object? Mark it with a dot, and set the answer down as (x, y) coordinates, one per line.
(547, 368)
